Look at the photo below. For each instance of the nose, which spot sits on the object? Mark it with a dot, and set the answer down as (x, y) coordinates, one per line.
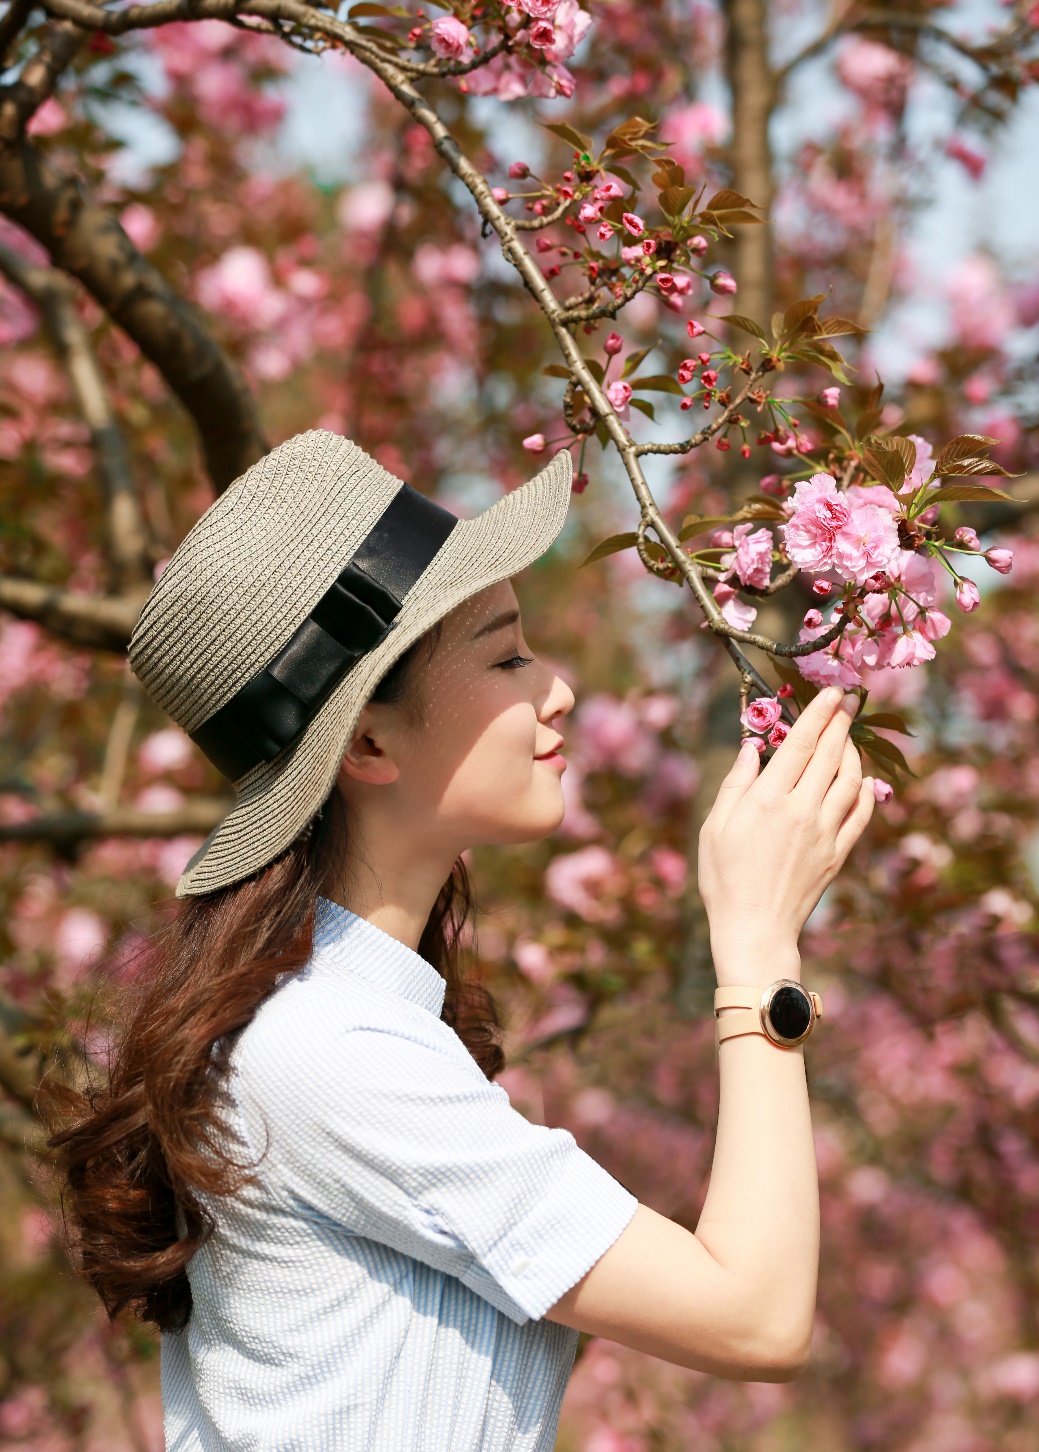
(558, 699)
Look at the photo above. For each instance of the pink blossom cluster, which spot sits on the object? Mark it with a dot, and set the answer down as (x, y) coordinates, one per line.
(555, 30)
(852, 533)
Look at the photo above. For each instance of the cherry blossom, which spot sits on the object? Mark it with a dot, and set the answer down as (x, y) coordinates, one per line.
(762, 714)
(619, 394)
(450, 38)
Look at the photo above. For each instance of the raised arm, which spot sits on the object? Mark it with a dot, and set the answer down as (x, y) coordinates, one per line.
(737, 1298)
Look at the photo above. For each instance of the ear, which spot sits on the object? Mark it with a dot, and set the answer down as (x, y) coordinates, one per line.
(367, 757)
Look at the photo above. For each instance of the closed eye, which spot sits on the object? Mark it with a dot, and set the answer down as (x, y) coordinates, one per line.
(514, 663)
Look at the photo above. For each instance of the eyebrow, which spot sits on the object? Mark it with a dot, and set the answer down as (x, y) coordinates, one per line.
(499, 622)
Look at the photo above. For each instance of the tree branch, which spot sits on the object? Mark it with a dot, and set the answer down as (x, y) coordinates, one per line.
(716, 424)
(20, 101)
(128, 546)
(89, 244)
(65, 829)
(96, 622)
(12, 23)
(397, 80)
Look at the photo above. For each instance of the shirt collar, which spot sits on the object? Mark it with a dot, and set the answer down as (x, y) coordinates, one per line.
(344, 940)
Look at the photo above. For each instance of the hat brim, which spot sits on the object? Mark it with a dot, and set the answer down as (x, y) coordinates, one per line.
(277, 799)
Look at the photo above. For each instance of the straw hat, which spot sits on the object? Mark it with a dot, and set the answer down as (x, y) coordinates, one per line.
(286, 604)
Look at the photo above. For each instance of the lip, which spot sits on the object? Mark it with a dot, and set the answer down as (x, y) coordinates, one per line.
(553, 753)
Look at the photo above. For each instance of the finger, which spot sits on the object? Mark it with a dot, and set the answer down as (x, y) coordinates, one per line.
(843, 792)
(784, 770)
(854, 824)
(828, 754)
(741, 775)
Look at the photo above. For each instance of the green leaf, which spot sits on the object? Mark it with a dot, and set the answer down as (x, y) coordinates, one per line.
(975, 466)
(808, 353)
(635, 360)
(602, 433)
(726, 201)
(745, 325)
(556, 370)
(644, 407)
(799, 312)
(668, 174)
(906, 449)
(577, 139)
(761, 506)
(777, 326)
(674, 200)
(840, 327)
(695, 524)
(883, 751)
(611, 546)
(658, 383)
(885, 721)
(625, 176)
(961, 493)
(381, 37)
(963, 446)
(595, 368)
(885, 465)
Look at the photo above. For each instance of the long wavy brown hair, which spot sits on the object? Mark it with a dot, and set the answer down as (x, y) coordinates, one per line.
(133, 1150)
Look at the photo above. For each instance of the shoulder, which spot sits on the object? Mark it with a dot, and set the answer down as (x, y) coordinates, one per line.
(324, 1022)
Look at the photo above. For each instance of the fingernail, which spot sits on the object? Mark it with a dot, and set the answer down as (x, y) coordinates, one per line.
(833, 694)
(851, 705)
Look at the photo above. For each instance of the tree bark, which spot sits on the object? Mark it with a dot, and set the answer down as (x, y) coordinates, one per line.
(97, 622)
(753, 88)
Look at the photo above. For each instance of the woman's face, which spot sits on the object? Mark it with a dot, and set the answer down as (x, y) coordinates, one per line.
(478, 763)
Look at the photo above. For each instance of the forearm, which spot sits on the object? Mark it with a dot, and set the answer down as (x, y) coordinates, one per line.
(760, 1220)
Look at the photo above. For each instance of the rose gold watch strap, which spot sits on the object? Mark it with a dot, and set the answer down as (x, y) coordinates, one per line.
(746, 1021)
(737, 998)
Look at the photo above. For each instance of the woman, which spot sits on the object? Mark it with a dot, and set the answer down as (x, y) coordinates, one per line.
(300, 1168)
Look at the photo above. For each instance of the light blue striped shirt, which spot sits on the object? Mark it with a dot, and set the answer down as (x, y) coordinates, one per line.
(380, 1287)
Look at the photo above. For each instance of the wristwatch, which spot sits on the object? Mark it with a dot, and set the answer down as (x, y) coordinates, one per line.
(784, 1012)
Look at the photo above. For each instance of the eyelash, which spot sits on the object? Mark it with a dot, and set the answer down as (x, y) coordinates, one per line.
(524, 660)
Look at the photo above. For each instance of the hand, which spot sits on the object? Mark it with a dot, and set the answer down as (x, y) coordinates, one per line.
(776, 838)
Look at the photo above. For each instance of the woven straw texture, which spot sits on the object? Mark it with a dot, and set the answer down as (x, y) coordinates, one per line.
(250, 571)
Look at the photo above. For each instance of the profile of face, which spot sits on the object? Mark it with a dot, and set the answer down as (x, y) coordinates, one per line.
(471, 758)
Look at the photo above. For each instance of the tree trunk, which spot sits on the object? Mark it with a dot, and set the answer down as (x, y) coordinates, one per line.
(753, 96)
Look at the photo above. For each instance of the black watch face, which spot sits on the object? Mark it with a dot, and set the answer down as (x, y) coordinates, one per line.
(790, 1012)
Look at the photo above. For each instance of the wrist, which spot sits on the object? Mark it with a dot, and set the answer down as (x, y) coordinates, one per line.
(755, 964)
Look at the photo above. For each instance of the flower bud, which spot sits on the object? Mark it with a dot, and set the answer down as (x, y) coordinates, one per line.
(821, 587)
(605, 232)
(785, 691)
(697, 245)
(967, 537)
(779, 733)
(883, 791)
(534, 443)
(614, 343)
(635, 225)
(665, 282)
(695, 329)
(580, 484)
(723, 283)
(968, 596)
(1001, 560)
(518, 170)
(813, 619)
(830, 397)
(500, 194)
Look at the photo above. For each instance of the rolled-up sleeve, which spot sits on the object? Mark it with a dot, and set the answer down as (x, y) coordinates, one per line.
(404, 1141)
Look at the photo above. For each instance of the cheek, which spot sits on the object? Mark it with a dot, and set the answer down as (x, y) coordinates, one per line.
(496, 765)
